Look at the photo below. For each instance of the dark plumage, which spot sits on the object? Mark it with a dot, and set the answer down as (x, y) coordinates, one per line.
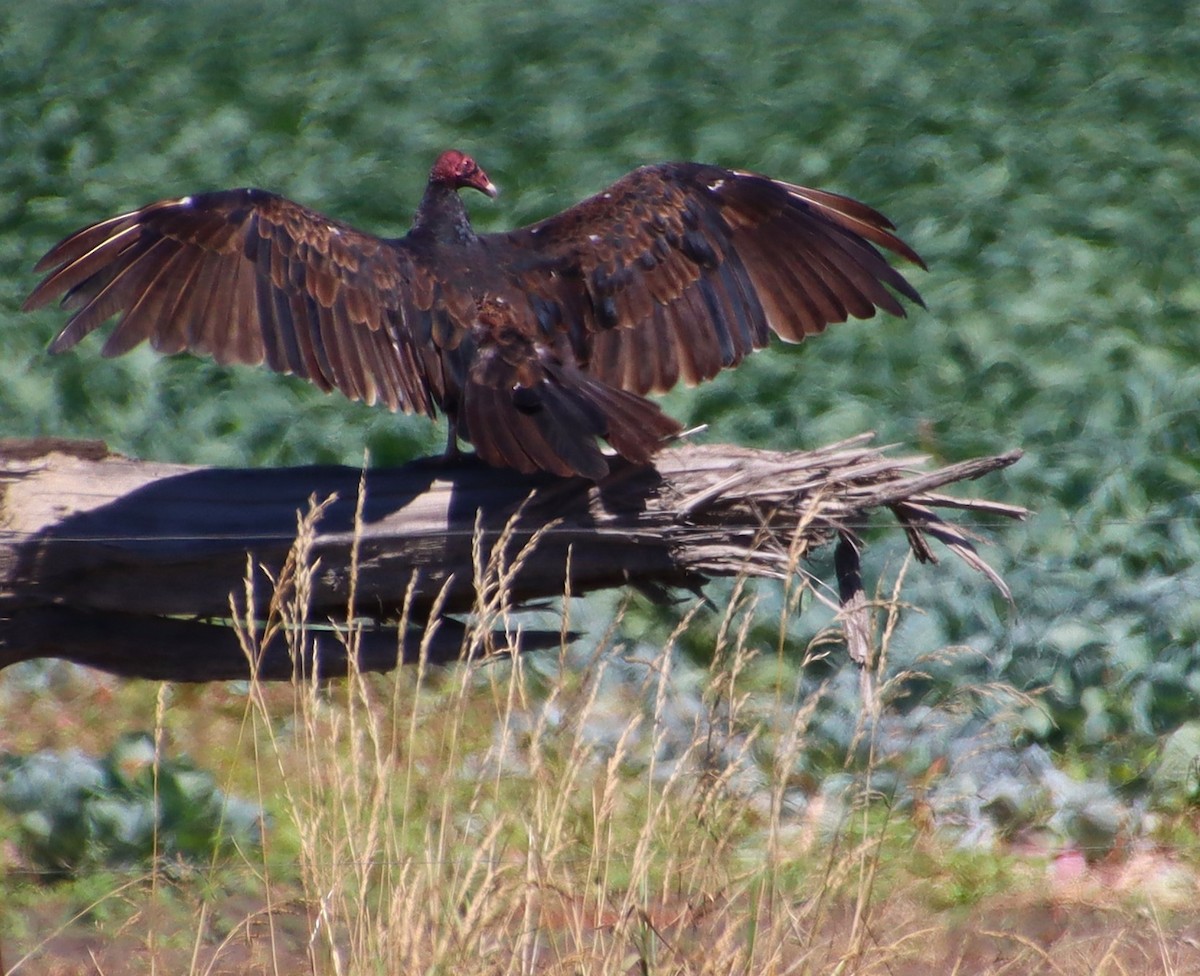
(535, 342)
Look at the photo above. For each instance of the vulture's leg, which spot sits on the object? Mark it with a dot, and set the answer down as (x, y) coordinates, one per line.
(453, 452)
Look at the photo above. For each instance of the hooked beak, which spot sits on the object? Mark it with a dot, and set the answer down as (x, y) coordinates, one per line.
(490, 189)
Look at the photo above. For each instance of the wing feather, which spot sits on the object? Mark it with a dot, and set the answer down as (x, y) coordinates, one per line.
(245, 276)
(667, 373)
(166, 337)
(144, 312)
(679, 270)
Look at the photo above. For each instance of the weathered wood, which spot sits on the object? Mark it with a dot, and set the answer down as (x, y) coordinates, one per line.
(101, 555)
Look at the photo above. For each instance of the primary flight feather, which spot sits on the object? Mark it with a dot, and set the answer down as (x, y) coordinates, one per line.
(533, 342)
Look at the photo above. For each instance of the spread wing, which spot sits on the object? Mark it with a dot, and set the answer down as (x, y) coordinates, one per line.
(247, 276)
(679, 270)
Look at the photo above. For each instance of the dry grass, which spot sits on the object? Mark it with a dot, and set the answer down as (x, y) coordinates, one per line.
(496, 817)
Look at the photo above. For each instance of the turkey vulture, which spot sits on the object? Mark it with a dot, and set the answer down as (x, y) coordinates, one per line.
(534, 342)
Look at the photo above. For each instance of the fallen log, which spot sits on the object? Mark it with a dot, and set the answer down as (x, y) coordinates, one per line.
(138, 567)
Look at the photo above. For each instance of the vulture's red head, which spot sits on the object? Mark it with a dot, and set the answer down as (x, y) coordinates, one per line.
(457, 170)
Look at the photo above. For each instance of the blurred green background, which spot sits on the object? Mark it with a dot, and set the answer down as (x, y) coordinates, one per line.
(1044, 157)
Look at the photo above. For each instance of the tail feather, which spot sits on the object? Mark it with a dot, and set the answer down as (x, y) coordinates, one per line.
(635, 427)
(555, 426)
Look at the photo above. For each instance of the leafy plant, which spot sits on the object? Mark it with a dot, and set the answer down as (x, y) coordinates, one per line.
(75, 812)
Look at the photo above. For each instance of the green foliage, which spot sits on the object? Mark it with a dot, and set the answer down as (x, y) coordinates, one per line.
(1040, 154)
(1176, 780)
(74, 812)
(959, 878)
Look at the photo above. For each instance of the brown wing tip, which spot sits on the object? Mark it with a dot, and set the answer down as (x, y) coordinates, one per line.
(898, 246)
(35, 300)
(47, 290)
(859, 217)
(48, 261)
